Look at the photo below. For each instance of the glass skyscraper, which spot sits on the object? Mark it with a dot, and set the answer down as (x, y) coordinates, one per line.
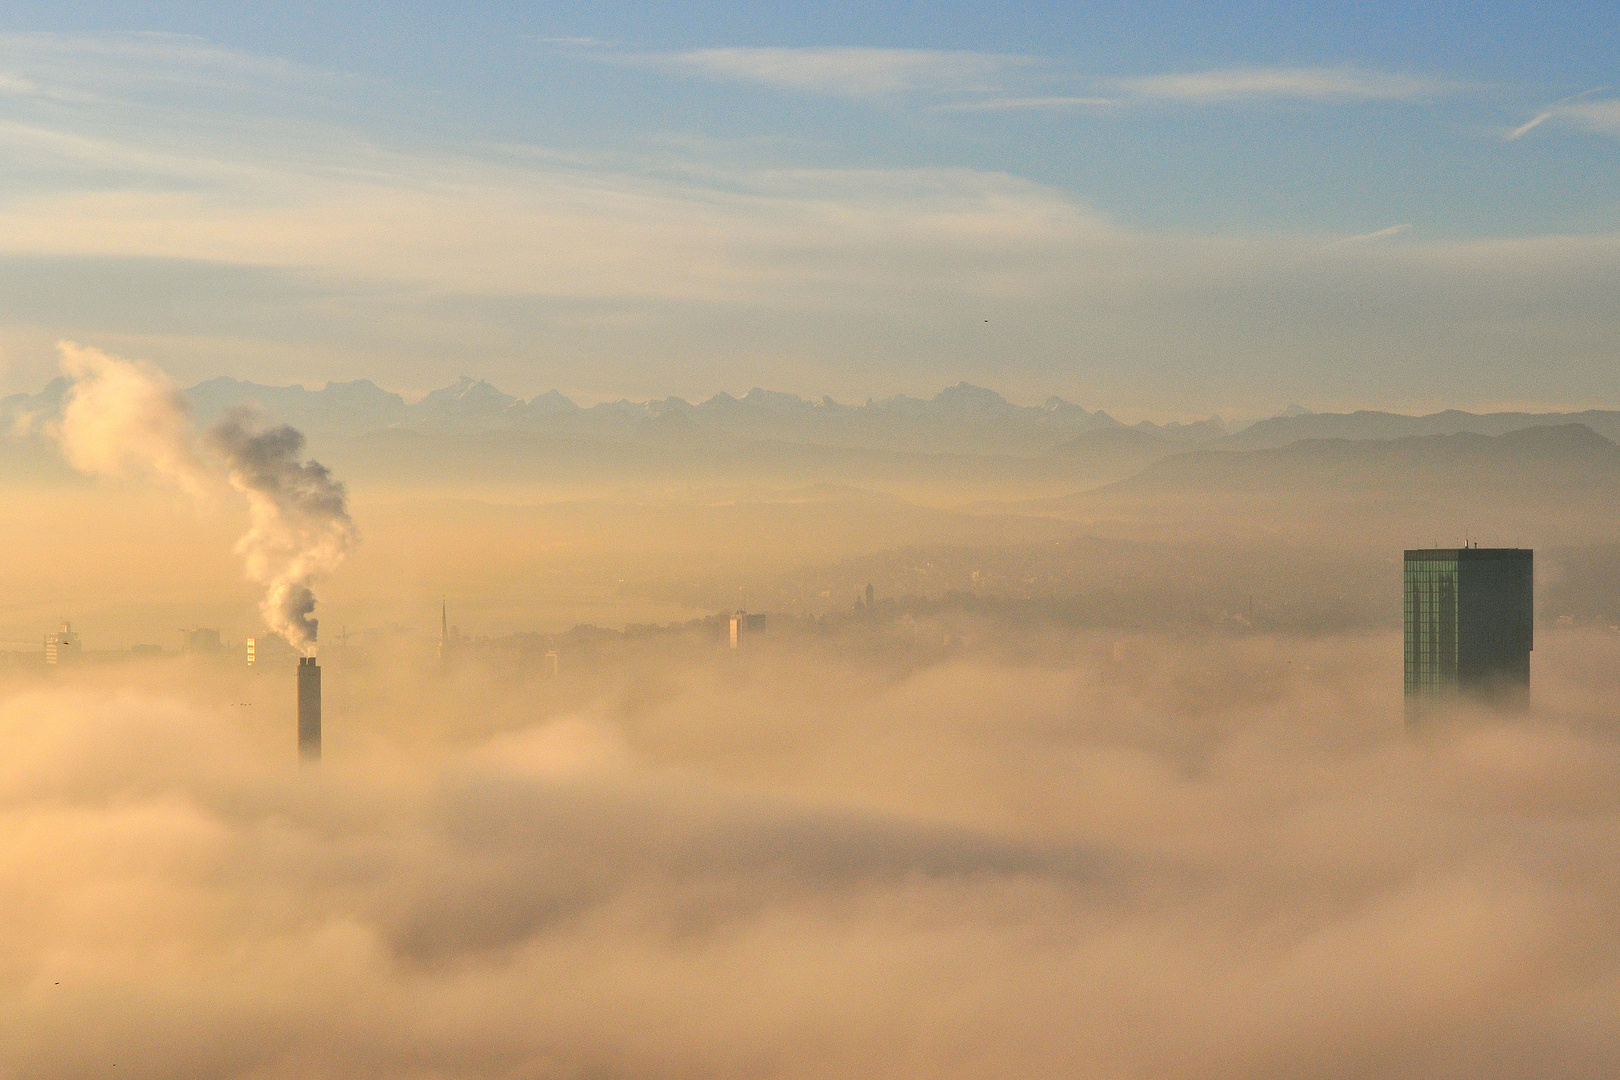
(1470, 623)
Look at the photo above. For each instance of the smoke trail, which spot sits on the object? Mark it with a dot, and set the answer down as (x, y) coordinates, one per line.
(124, 417)
(300, 519)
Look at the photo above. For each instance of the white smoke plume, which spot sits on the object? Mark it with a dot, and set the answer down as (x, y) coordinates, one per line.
(125, 418)
(300, 520)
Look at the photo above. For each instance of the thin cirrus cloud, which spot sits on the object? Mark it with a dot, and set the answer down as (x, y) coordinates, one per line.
(1281, 83)
(850, 72)
(1030, 104)
(12, 85)
(1601, 117)
(172, 56)
(1371, 237)
(693, 252)
(1002, 83)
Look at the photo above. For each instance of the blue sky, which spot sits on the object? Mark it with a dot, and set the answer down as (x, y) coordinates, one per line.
(1160, 209)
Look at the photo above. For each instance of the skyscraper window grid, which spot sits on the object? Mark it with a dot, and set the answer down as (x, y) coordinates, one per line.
(1431, 624)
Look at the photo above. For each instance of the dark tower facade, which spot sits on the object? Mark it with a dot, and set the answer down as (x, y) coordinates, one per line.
(309, 709)
(1470, 624)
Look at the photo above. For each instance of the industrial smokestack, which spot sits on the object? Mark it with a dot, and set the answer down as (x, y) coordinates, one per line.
(309, 709)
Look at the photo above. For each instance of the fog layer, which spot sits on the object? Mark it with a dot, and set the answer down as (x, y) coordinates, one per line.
(1129, 855)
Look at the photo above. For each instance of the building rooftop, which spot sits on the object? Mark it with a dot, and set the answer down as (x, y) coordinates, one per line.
(1431, 554)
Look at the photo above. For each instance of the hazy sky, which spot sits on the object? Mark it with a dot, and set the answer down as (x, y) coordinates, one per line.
(1158, 210)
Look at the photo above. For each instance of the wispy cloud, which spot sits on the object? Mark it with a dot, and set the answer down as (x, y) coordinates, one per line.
(1525, 129)
(1369, 237)
(86, 69)
(1015, 104)
(1579, 110)
(853, 72)
(577, 42)
(12, 85)
(435, 250)
(1300, 83)
(997, 82)
(1599, 116)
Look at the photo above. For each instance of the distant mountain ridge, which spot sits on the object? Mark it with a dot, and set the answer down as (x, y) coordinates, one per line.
(961, 419)
(1279, 431)
(1567, 460)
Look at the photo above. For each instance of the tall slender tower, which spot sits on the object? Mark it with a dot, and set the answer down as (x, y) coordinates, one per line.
(446, 645)
(309, 709)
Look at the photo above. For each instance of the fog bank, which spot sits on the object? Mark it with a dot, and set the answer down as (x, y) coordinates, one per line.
(1132, 855)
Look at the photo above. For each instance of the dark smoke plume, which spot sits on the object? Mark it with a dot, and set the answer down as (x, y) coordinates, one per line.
(300, 519)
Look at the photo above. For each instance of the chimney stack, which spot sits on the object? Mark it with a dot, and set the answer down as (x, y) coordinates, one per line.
(309, 709)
